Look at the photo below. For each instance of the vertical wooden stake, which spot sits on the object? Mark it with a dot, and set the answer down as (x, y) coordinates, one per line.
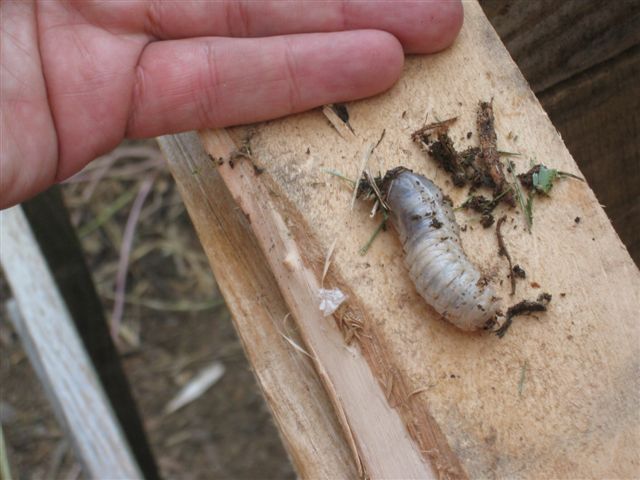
(55, 350)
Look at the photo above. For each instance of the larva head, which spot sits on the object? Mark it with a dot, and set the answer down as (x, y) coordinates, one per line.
(416, 203)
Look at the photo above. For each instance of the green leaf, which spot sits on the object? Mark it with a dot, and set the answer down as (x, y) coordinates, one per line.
(543, 179)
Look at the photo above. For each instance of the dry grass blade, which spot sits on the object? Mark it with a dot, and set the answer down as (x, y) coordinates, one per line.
(168, 306)
(5, 471)
(195, 387)
(376, 189)
(363, 165)
(295, 345)
(365, 248)
(125, 251)
(107, 213)
(327, 261)
(151, 156)
(502, 250)
(288, 339)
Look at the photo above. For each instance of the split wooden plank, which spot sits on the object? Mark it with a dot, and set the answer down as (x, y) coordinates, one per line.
(556, 397)
(297, 399)
(56, 352)
(381, 448)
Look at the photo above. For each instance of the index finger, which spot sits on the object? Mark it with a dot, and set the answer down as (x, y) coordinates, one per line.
(420, 26)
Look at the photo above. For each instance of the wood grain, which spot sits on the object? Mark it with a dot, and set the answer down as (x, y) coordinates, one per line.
(552, 41)
(56, 352)
(362, 385)
(581, 58)
(300, 406)
(598, 114)
(558, 396)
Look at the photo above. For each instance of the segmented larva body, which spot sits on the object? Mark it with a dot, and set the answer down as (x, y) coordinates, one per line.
(438, 266)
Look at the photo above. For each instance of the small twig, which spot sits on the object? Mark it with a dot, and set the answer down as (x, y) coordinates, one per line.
(125, 251)
(571, 175)
(502, 251)
(524, 307)
(508, 154)
(439, 127)
(384, 131)
(376, 190)
(106, 213)
(361, 170)
(489, 158)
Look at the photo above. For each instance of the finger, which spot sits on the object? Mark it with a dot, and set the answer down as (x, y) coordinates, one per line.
(421, 26)
(216, 82)
(28, 145)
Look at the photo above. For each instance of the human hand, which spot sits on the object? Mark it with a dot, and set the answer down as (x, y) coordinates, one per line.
(79, 76)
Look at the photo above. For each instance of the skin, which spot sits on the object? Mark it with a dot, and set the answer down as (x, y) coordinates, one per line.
(77, 78)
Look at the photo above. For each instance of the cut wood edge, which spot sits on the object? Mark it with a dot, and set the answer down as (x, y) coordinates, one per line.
(300, 406)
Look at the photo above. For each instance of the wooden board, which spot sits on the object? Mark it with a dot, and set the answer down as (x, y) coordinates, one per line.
(585, 78)
(552, 41)
(598, 114)
(300, 407)
(556, 398)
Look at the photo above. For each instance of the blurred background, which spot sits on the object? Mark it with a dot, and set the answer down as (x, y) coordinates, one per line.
(582, 60)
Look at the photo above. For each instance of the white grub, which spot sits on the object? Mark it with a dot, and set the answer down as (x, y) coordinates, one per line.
(438, 266)
(330, 300)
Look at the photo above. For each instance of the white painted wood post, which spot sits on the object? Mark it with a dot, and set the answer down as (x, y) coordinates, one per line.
(58, 355)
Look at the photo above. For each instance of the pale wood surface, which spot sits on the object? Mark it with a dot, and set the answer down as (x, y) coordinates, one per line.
(558, 396)
(598, 114)
(375, 432)
(299, 404)
(583, 59)
(56, 352)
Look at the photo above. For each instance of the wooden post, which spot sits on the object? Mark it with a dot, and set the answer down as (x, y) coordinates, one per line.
(49, 221)
(56, 352)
